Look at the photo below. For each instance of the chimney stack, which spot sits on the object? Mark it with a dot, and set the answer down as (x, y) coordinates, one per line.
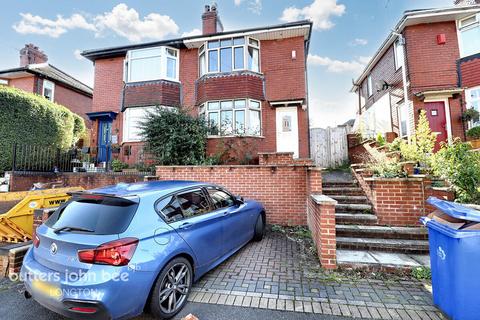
(31, 54)
(210, 20)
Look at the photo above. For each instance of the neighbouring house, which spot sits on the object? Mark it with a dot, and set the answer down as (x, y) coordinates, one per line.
(430, 61)
(36, 75)
(250, 83)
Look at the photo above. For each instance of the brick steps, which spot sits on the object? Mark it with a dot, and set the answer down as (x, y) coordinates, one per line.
(387, 245)
(346, 218)
(354, 207)
(384, 232)
(346, 199)
(340, 184)
(349, 191)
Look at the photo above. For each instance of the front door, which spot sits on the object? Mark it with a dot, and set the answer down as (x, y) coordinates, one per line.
(104, 140)
(438, 121)
(287, 130)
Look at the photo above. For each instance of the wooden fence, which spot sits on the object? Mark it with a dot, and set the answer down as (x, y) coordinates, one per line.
(328, 147)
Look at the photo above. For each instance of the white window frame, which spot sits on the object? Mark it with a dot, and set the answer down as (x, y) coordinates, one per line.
(369, 86)
(204, 112)
(400, 119)
(461, 28)
(127, 125)
(469, 100)
(51, 86)
(163, 55)
(398, 49)
(246, 44)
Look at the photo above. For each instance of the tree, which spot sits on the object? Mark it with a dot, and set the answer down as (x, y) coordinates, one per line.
(421, 144)
(174, 137)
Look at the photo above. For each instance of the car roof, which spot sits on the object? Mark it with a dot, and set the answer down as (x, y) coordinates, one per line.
(145, 188)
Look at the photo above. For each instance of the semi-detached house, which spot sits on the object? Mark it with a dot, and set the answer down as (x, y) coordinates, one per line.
(249, 83)
(430, 61)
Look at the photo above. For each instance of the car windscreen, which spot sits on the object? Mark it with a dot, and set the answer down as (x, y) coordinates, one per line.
(105, 215)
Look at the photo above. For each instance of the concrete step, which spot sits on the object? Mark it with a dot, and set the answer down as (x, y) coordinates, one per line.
(342, 191)
(340, 184)
(383, 232)
(353, 207)
(386, 245)
(355, 218)
(381, 261)
(350, 199)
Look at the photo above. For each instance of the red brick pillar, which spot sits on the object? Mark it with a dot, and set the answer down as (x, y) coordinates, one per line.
(314, 177)
(321, 221)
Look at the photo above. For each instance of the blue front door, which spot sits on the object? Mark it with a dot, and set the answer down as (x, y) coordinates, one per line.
(104, 140)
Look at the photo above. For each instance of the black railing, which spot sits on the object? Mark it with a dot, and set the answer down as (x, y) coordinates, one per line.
(45, 159)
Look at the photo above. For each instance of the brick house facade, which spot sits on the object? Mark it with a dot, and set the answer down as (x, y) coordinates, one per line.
(249, 84)
(37, 76)
(443, 79)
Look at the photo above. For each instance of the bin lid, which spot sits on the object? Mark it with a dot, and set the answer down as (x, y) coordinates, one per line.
(455, 210)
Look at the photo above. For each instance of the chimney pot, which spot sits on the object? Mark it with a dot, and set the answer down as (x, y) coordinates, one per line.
(211, 23)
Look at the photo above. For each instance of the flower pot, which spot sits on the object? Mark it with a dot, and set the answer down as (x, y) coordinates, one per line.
(408, 167)
(475, 143)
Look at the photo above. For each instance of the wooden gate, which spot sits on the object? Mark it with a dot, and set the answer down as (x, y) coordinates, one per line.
(329, 147)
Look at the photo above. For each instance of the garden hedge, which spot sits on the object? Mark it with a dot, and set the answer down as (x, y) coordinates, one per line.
(30, 119)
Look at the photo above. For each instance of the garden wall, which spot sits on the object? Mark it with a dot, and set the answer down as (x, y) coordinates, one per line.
(22, 181)
(400, 201)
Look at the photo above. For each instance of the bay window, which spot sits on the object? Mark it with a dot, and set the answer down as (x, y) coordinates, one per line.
(152, 64)
(229, 54)
(233, 117)
(473, 101)
(469, 35)
(132, 118)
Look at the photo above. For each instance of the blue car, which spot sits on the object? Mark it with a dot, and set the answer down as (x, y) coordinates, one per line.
(116, 251)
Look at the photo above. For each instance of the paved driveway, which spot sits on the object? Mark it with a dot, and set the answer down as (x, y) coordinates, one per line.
(277, 274)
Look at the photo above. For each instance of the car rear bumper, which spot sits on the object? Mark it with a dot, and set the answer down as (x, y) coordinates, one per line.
(111, 299)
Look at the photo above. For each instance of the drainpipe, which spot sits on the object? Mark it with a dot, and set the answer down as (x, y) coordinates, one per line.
(406, 101)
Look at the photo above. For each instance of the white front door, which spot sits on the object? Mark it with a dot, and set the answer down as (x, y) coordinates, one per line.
(287, 130)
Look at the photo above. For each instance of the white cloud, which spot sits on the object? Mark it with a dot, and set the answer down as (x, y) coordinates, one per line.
(337, 66)
(30, 24)
(78, 54)
(255, 6)
(332, 112)
(121, 20)
(194, 32)
(319, 12)
(127, 23)
(358, 42)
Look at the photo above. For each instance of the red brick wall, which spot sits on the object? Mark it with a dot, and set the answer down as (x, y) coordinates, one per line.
(188, 75)
(26, 83)
(430, 65)
(470, 70)
(74, 101)
(282, 188)
(20, 181)
(229, 86)
(152, 93)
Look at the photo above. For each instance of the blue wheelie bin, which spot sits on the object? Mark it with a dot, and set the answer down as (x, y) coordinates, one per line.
(455, 260)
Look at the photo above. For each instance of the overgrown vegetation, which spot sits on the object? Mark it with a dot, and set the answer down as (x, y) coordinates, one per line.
(30, 119)
(460, 166)
(118, 165)
(474, 133)
(422, 273)
(174, 137)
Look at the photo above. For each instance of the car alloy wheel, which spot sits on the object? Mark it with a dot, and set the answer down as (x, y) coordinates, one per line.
(174, 288)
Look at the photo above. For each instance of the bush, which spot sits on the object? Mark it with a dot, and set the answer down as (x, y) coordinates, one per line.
(381, 140)
(175, 137)
(30, 119)
(474, 133)
(118, 165)
(384, 167)
(460, 166)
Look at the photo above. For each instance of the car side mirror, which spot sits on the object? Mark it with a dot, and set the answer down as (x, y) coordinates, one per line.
(239, 200)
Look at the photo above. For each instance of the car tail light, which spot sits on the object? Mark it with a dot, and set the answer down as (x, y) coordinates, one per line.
(36, 241)
(115, 253)
(84, 310)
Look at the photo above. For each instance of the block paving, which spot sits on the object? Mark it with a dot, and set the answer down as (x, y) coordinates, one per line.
(277, 274)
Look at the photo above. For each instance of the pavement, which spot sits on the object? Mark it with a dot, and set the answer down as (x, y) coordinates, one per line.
(279, 278)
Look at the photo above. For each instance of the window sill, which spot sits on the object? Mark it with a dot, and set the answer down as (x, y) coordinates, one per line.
(151, 81)
(235, 136)
(234, 72)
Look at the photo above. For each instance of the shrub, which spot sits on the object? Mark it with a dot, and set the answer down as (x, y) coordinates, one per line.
(384, 167)
(471, 115)
(173, 137)
(460, 166)
(118, 165)
(380, 140)
(474, 133)
(27, 118)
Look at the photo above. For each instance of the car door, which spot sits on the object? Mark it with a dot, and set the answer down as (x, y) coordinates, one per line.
(191, 215)
(238, 228)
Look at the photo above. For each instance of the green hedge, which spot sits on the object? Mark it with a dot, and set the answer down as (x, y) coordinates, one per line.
(30, 119)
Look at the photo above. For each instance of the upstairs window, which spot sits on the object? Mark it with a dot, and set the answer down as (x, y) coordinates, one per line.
(399, 57)
(229, 54)
(369, 86)
(152, 64)
(233, 117)
(48, 89)
(469, 35)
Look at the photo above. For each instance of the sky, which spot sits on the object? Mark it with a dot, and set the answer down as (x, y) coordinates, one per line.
(346, 34)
